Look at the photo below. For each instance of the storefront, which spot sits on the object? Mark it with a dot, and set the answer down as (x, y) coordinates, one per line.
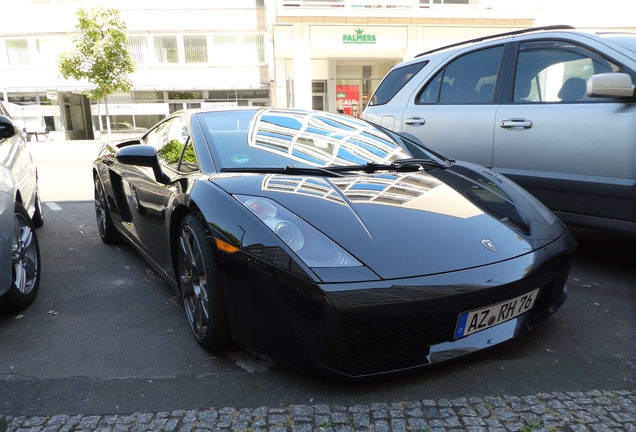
(56, 115)
(48, 114)
(334, 68)
(139, 110)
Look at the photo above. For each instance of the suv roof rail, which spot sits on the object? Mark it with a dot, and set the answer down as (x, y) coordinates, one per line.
(512, 33)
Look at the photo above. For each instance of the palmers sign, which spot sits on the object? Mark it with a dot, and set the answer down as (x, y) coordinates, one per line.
(359, 38)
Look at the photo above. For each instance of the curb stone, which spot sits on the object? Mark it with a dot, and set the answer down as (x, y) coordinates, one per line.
(591, 411)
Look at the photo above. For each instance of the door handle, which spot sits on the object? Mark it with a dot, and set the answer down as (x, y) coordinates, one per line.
(415, 121)
(516, 124)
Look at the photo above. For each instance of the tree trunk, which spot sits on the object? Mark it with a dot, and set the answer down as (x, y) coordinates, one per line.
(107, 116)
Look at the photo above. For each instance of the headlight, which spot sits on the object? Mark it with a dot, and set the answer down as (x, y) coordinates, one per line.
(313, 247)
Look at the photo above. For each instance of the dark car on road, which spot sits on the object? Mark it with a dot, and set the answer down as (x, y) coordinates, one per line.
(328, 243)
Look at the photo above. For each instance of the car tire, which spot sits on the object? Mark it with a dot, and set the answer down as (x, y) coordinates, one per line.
(107, 230)
(38, 215)
(25, 262)
(200, 286)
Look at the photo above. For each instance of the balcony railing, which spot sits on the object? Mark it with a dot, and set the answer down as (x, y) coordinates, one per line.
(368, 6)
(372, 4)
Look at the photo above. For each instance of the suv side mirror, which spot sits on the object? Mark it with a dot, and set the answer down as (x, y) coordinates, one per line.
(610, 85)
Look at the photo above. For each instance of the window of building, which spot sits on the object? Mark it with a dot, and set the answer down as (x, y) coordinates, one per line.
(23, 98)
(253, 94)
(48, 50)
(253, 48)
(196, 49)
(148, 96)
(166, 49)
(427, 3)
(187, 95)
(138, 48)
(224, 48)
(18, 52)
(211, 95)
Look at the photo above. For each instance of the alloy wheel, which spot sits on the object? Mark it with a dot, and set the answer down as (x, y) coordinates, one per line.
(100, 208)
(194, 283)
(24, 255)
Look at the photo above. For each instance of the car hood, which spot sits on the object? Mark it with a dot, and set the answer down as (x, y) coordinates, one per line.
(411, 224)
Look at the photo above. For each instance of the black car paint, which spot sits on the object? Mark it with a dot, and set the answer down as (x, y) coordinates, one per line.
(282, 309)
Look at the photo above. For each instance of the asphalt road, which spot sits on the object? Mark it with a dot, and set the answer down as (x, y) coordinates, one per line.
(107, 336)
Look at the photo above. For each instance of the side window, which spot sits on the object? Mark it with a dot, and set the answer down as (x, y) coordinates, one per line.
(394, 81)
(470, 78)
(171, 139)
(556, 71)
(189, 159)
(430, 93)
(158, 136)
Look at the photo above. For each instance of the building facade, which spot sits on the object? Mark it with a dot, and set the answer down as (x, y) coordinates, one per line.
(188, 54)
(321, 54)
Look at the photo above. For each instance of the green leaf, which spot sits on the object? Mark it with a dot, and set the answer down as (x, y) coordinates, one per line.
(101, 55)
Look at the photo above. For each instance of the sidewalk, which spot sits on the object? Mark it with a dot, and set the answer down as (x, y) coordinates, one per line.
(573, 411)
(65, 169)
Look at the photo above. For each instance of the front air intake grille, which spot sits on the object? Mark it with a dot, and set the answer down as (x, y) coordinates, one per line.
(362, 342)
(551, 292)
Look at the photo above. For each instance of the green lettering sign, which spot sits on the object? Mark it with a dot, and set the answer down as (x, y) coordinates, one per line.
(358, 38)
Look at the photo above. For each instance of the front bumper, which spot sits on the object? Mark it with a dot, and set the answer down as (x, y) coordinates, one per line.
(369, 329)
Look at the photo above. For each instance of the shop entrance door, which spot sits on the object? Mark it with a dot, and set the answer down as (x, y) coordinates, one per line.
(76, 116)
(318, 94)
(356, 80)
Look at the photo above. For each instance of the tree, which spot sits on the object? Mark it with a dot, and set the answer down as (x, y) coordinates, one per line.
(100, 55)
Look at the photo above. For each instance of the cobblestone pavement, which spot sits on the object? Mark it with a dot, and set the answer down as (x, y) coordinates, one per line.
(573, 411)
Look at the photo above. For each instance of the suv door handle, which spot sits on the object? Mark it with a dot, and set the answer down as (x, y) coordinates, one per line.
(415, 121)
(516, 124)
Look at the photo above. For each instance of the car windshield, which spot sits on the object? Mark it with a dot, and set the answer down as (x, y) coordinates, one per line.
(627, 41)
(280, 138)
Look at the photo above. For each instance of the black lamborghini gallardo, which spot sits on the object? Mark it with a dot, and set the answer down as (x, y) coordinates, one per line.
(328, 243)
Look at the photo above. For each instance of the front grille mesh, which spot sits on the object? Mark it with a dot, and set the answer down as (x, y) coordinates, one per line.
(366, 341)
(551, 291)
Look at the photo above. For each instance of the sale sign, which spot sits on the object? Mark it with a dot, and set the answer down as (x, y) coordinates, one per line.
(347, 99)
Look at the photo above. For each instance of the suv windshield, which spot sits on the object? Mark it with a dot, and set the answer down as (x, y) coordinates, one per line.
(394, 81)
(627, 41)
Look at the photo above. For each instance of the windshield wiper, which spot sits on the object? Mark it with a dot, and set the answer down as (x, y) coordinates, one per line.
(289, 170)
(426, 162)
(399, 165)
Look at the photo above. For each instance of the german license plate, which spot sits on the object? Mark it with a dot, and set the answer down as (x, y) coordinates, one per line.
(481, 319)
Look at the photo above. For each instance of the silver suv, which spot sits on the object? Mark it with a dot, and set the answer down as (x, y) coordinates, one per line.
(552, 108)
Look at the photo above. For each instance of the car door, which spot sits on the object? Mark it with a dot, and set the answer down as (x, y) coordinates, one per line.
(15, 156)
(147, 198)
(573, 152)
(453, 113)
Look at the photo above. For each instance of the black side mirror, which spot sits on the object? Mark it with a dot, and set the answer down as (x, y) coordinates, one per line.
(7, 128)
(143, 155)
